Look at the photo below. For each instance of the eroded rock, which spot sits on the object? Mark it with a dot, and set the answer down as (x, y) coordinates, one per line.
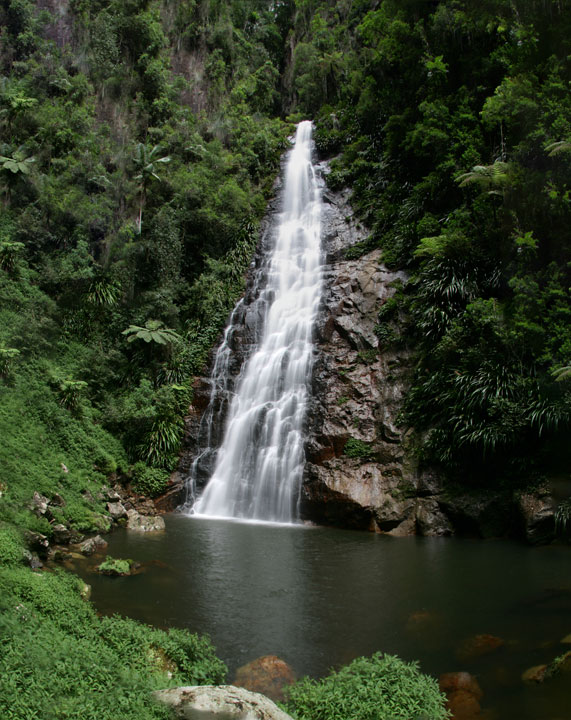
(144, 523)
(224, 700)
(92, 545)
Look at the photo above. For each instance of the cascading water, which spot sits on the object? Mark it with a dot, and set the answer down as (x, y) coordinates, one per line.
(259, 464)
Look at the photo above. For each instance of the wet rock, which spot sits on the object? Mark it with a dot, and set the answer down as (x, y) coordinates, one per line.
(454, 681)
(267, 675)
(430, 520)
(535, 674)
(62, 534)
(463, 705)
(144, 523)
(537, 517)
(85, 591)
(58, 501)
(92, 545)
(566, 640)
(223, 700)
(420, 621)
(479, 515)
(479, 645)
(174, 496)
(116, 510)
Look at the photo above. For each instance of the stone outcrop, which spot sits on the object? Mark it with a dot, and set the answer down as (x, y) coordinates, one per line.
(226, 701)
(359, 472)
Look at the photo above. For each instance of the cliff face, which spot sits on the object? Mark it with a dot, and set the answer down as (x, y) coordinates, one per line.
(359, 473)
(361, 470)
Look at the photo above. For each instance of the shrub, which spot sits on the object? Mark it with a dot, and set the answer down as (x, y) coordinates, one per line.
(381, 687)
(358, 449)
(149, 481)
(11, 550)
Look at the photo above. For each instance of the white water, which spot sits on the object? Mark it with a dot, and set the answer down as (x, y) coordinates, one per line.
(259, 465)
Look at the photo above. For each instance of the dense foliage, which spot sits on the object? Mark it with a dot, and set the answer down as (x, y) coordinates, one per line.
(139, 146)
(59, 660)
(139, 140)
(381, 687)
(453, 124)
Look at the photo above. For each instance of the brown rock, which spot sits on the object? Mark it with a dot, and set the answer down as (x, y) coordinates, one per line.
(267, 675)
(537, 513)
(535, 674)
(463, 705)
(479, 645)
(454, 681)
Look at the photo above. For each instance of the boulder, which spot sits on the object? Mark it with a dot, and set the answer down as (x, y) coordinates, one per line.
(144, 523)
(62, 534)
(454, 681)
(224, 700)
(430, 520)
(537, 517)
(116, 510)
(39, 504)
(37, 541)
(267, 675)
(463, 705)
(92, 545)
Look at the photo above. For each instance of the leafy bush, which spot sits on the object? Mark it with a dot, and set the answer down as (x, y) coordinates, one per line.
(115, 566)
(11, 549)
(381, 687)
(149, 481)
(58, 659)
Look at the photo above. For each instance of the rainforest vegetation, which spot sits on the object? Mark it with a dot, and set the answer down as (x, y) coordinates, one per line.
(139, 143)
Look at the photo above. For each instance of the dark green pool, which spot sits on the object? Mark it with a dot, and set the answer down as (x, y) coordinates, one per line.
(318, 597)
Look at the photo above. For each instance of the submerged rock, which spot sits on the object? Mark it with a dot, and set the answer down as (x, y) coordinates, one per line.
(479, 645)
(267, 675)
(223, 700)
(463, 695)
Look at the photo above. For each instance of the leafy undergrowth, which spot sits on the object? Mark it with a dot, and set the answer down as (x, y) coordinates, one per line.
(59, 660)
(381, 687)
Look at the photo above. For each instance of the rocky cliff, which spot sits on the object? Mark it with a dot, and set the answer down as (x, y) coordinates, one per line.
(361, 470)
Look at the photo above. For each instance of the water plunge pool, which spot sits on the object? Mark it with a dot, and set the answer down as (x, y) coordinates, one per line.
(318, 597)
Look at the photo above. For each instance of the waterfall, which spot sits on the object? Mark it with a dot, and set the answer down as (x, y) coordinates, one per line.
(259, 464)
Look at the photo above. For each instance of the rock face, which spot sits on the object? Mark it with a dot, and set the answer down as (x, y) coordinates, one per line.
(226, 701)
(360, 470)
(359, 473)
